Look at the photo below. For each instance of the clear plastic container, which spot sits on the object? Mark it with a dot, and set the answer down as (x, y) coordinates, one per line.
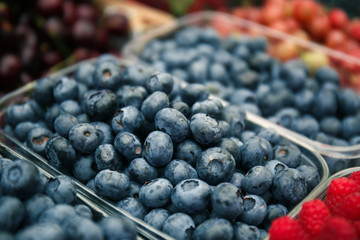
(232, 25)
(9, 143)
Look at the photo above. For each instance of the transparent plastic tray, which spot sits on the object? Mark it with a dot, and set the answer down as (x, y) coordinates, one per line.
(9, 143)
(133, 49)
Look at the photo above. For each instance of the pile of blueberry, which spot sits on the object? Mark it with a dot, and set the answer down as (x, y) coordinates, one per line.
(167, 154)
(239, 69)
(33, 206)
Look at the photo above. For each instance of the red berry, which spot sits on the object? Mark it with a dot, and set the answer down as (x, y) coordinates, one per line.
(337, 228)
(356, 226)
(313, 216)
(87, 12)
(83, 32)
(49, 7)
(349, 207)
(338, 189)
(285, 228)
(338, 18)
(355, 176)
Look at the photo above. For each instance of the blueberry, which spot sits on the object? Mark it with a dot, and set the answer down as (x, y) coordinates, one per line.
(141, 171)
(65, 88)
(247, 79)
(187, 37)
(51, 114)
(63, 123)
(304, 100)
(136, 75)
(288, 154)
(237, 179)
(274, 211)
(35, 206)
(21, 130)
(311, 174)
(255, 210)
(218, 72)
(215, 228)
(156, 193)
(107, 75)
(246, 135)
(306, 125)
(226, 201)
(242, 52)
(62, 189)
(128, 119)
(154, 103)
(215, 165)
(243, 231)
(100, 105)
(181, 107)
(108, 135)
(327, 74)
(43, 91)
(188, 151)
(132, 206)
(42, 231)
(71, 107)
(157, 217)
(191, 196)
(131, 96)
(12, 212)
(179, 226)
(258, 180)
(172, 122)
(37, 138)
(115, 227)
(178, 170)
(83, 211)
(229, 145)
(255, 151)
(85, 138)
(21, 179)
(205, 129)
(84, 74)
(112, 184)
(58, 214)
(107, 157)
(194, 92)
(331, 125)
(269, 134)
(91, 184)
(128, 145)
(350, 126)
(211, 107)
(289, 187)
(336, 164)
(159, 81)
(158, 149)
(349, 102)
(325, 104)
(275, 166)
(287, 116)
(82, 228)
(85, 168)
(235, 116)
(17, 113)
(295, 77)
(243, 95)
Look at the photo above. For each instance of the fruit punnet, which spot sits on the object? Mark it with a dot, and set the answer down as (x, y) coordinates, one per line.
(338, 213)
(240, 70)
(166, 154)
(33, 206)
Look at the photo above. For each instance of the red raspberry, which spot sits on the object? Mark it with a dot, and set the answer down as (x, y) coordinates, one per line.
(285, 228)
(349, 207)
(338, 189)
(355, 176)
(337, 228)
(356, 226)
(313, 216)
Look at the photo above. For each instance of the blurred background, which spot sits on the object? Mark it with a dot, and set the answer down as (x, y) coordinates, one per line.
(39, 36)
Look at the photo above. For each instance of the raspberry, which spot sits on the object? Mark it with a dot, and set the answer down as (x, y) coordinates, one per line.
(338, 189)
(355, 176)
(356, 226)
(313, 216)
(349, 207)
(337, 228)
(285, 228)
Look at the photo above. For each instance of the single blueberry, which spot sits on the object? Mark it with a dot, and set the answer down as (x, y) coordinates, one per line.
(269, 134)
(112, 184)
(85, 138)
(84, 74)
(35, 206)
(181, 107)
(128, 119)
(258, 180)
(178, 170)
(83, 211)
(172, 122)
(156, 193)
(306, 125)
(311, 174)
(157, 217)
(205, 129)
(51, 114)
(158, 149)
(191, 196)
(42, 231)
(108, 134)
(289, 187)
(63, 123)
(17, 113)
(12, 213)
(229, 145)
(107, 75)
(289, 154)
(179, 226)
(216, 165)
(136, 75)
(349, 102)
(58, 214)
(255, 210)
(128, 145)
(37, 138)
(21, 130)
(331, 126)
(243, 231)
(43, 91)
(116, 227)
(71, 107)
(131, 96)
(213, 229)
(62, 189)
(193, 93)
(141, 171)
(85, 168)
(132, 206)
(237, 179)
(226, 201)
(188, 151)
(274, 211)
(100, 105)
(154, 103)
(160, 81)
(65, 89)
(211, 107)
(327, 74)
(79, 227)
(275, 166)
(255, 151)
(107, 157)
